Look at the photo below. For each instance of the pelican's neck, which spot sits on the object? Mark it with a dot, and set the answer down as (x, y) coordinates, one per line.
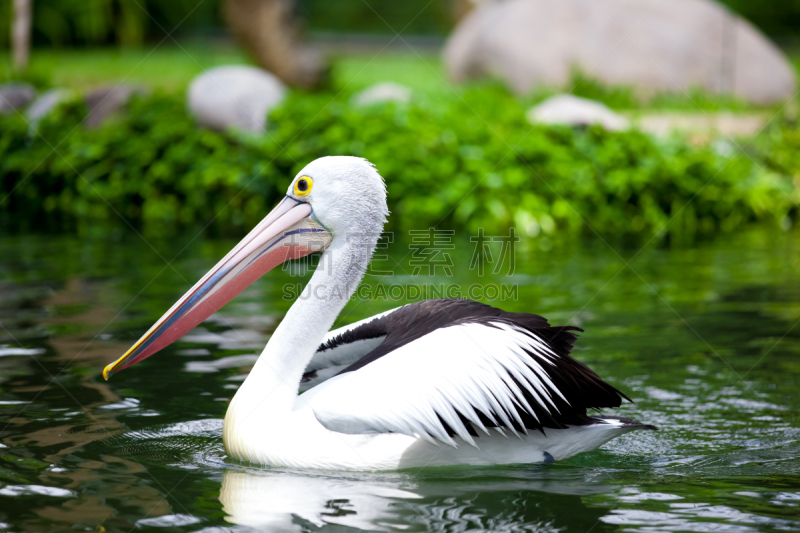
(271, 388)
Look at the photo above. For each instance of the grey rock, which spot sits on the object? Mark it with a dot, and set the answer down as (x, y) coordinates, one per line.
(234, 96)
(383, 92)
(654, 45)
(574, 111)
(15, 96)
(107, 101)
(45, 104)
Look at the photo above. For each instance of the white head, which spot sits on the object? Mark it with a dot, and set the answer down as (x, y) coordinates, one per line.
(333, 199)
(346, 194)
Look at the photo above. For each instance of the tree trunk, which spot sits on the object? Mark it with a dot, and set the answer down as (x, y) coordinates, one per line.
(269, 30)
(462, 8)
(21, 33)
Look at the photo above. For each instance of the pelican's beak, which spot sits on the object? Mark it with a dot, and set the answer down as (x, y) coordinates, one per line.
(290, 231)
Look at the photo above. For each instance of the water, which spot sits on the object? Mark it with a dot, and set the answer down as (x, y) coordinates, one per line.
(702, 338)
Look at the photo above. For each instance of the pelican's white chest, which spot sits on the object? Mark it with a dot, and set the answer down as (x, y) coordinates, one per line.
(295, 438)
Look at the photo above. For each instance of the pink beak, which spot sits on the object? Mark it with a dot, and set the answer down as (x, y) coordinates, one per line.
(265, 247)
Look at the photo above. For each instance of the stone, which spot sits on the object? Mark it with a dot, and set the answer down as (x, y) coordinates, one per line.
(574, 111)
(107, 101)
(45, 104)
(383, 92)
(15, 96)
(234, 96)
(652, 45)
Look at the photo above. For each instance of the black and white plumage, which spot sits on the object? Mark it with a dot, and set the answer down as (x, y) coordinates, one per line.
(459, 367)
(441, 382)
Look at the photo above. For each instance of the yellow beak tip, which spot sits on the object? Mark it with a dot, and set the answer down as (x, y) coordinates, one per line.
(106, 374)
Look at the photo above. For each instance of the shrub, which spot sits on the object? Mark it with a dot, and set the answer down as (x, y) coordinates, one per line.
(464, 163)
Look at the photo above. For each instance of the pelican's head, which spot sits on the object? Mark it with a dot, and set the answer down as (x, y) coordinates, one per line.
(347, 194)
(331, 197)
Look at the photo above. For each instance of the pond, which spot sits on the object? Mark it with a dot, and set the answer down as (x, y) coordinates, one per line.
(703, 338)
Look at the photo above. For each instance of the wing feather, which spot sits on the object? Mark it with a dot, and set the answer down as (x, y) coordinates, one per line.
(490, 374)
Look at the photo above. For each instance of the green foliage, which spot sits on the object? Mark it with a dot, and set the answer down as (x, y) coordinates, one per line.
(472, 162)
(153, 168)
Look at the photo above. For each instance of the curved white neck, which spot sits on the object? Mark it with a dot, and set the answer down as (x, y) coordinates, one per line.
(271, 388)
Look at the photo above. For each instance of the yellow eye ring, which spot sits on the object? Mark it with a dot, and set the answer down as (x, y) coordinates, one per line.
(302, 187)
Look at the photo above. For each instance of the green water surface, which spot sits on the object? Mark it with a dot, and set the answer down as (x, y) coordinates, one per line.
(704, 339)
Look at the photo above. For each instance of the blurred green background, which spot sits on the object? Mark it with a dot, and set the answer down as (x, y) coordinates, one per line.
(459, 156)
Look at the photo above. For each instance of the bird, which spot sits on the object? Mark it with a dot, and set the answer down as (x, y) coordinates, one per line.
(432, 383)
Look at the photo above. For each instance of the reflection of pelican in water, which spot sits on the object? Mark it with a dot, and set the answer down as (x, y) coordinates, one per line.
(440, 382)
(277, 501)
(490, 500)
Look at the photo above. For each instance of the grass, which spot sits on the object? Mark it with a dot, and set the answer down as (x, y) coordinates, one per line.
(424, 73)
(171, 68)
(165, 67)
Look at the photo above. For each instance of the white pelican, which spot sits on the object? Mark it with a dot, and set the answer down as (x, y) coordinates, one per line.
(432, 383)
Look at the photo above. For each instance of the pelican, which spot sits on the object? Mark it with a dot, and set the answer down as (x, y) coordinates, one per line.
(432, 383)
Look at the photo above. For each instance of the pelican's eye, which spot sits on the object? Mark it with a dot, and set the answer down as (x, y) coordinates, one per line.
(303, 186)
